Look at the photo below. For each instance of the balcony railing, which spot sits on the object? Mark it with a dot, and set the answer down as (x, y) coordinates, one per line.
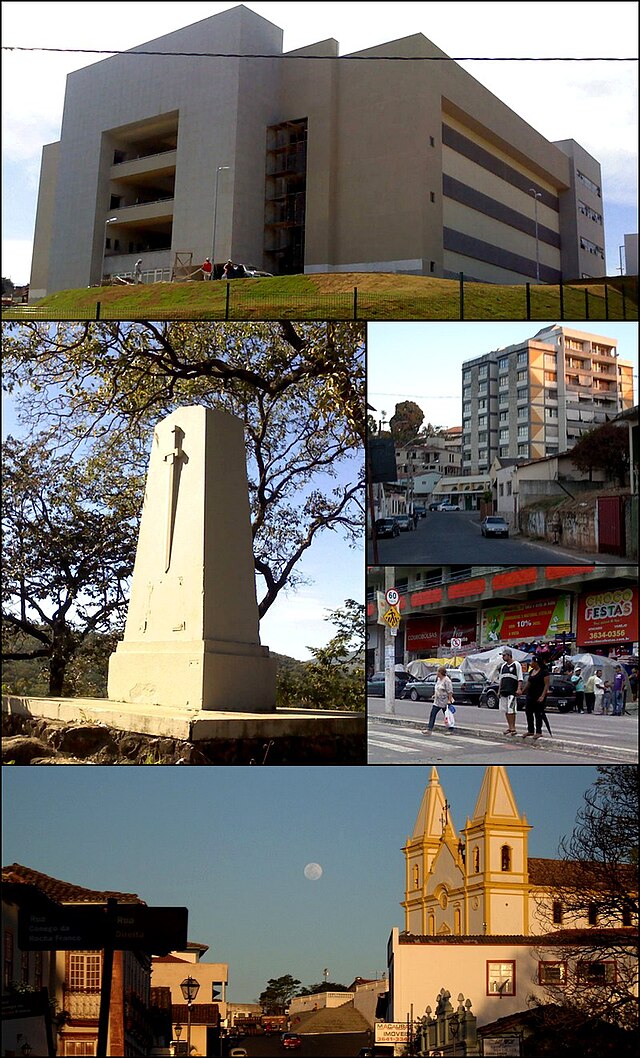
(82, 1004)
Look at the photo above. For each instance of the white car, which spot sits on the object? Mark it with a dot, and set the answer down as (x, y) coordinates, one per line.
(448, 507)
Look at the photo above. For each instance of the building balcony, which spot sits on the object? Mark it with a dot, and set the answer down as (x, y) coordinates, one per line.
(82, 1005)
(161, 164)
(160, 210)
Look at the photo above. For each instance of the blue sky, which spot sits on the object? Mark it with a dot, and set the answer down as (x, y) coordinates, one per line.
(594, 103)
(422, 362)
(231, 844)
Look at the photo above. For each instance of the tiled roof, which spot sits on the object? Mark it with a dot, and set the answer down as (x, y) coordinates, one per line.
(565, 873)
(201, 1013)
(63, 892)
(564, 937)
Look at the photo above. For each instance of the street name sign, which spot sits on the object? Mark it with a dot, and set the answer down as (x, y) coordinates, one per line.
(126, 927)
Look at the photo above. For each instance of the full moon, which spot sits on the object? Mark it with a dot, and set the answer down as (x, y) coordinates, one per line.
(313, 871)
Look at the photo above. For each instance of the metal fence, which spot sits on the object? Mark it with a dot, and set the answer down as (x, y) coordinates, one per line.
(466, 300)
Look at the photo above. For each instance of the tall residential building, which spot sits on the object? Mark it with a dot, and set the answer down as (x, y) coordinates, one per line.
(218, 144)
(537, 397)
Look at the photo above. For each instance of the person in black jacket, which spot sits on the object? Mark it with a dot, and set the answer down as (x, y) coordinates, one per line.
(536, 694)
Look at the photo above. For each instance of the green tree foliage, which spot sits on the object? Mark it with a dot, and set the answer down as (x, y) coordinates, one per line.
(278, 994)
(69, 534)
(406, 422)
(326, 986)
(299, 391)
(8, 286)
(603, 448)
(334, 679)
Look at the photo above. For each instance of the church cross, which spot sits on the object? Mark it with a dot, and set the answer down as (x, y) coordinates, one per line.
(444, 818)
(174, 459)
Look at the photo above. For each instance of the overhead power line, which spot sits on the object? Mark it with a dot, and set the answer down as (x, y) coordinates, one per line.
(351, 58)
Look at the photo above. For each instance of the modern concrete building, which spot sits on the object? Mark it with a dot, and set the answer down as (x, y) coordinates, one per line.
(537, 397)
(217, 144)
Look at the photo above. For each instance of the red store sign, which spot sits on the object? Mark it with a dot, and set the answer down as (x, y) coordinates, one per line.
(464, 630)
(423, 634)
(608, 617)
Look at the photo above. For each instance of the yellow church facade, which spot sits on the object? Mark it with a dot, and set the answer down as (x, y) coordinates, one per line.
(481, 881)
(484, 921)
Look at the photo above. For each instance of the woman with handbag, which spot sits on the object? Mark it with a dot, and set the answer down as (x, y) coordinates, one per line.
(442, 697)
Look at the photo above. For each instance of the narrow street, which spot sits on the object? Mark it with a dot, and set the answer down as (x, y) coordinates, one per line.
(454, 537)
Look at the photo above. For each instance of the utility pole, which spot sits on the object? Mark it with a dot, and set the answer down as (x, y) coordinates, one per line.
(389, 648)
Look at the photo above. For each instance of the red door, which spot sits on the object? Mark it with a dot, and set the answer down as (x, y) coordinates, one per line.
(610, 511)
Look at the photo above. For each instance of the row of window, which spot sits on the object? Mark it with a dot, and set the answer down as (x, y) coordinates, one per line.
(501, 976)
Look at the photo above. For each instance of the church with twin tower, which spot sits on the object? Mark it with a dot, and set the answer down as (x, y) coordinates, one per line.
(485, 921)
(475, 883)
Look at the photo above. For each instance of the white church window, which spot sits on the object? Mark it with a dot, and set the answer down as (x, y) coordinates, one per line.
(476, 860)
(416, 876)
(505, 858)
(501, 977)
(552, 973)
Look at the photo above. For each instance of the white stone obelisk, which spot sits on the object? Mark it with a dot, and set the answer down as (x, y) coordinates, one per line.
(191, 638)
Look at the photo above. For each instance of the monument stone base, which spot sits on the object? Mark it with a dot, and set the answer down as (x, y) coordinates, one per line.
(207, 675)
(193, 725)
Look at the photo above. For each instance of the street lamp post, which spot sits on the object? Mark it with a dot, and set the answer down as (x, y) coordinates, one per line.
(536, 196)
(104, 242)
(220, 169)
(177, 1028)
(190, 988)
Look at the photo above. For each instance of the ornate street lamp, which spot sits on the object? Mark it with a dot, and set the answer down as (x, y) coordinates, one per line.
(190, 988)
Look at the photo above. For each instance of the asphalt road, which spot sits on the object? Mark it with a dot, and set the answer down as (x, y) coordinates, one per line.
(454, 538)
(479, 737)
(333, 1045)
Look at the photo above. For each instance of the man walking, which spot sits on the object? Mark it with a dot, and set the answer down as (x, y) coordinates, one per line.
(618, 692)
(509, 687)
(537, 690)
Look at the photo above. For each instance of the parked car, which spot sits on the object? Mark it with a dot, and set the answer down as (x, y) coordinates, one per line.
(387, 527)
(561, 696)
(448, 507)
(492, 525)
(464, 691)
(434, 506)
(291, 1040)
(405, 522)
(420, 510)
(375, 684)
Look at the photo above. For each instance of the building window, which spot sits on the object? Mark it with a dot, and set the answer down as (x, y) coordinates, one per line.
(523, 450)
(551, 377)
(523, 357)
(588, 183)
(523, 433)
(432, 926)
(523, 394)
(627, 916)
(596, 973)
(504, 435)
(552, 973)
(79, 1047)
(84, 972)
(522, 376)
(416, 876)
(457, 922)
(466, 376)
(476, 860)
(432, 141)
(556, 912)
(482, 420)
(505, 858)
(501, 978)
(592, 915)
(482, 371)
(7, 973)
(503, 363)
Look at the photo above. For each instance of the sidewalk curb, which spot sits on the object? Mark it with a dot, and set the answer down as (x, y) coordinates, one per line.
(548, 742)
